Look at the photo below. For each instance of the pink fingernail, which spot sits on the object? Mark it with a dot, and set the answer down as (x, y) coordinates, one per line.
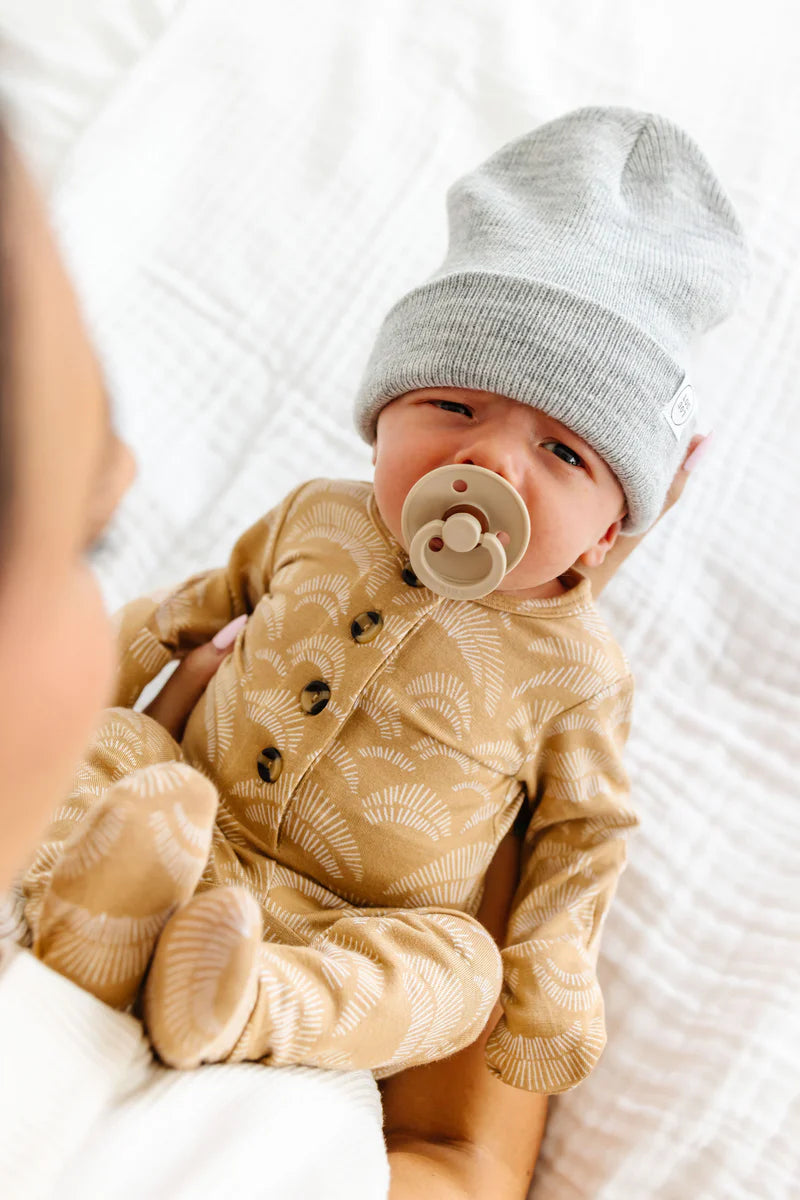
(228, 633)
(699, 452)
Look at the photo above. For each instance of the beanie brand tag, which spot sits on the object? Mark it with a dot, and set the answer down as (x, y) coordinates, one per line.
(678, 411)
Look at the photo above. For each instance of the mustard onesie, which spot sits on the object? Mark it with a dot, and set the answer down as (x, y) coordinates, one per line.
(369, 744)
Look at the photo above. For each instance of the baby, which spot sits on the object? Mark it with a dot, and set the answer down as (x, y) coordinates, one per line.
(296, 881)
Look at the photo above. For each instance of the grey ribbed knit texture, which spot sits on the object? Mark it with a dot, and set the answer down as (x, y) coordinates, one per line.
(583, 259)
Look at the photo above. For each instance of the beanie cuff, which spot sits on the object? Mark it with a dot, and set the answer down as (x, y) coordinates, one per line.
(540, 344)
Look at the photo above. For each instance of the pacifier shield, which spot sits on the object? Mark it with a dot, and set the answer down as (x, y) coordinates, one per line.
(450, 522)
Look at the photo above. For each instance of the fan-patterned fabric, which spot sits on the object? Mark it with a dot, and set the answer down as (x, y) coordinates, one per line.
(371, 743)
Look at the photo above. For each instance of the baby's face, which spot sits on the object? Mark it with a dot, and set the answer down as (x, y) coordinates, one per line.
(574, 500)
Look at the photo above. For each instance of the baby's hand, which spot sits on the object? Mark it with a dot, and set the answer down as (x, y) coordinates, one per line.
(186, 684)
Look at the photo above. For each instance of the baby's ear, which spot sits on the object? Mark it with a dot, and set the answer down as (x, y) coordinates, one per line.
(596, 554)
(374, 452)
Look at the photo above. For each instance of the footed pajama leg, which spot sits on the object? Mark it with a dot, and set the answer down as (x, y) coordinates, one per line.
(128, 847)
(381, 989)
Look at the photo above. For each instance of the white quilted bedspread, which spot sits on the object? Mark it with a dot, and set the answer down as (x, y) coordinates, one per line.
(242, 190)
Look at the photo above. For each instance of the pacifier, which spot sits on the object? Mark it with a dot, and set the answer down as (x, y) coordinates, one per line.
(465, 528)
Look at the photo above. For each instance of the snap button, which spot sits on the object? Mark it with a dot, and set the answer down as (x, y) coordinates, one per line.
(410, 578)
(365, 626)
(270, 764)
(315, 696)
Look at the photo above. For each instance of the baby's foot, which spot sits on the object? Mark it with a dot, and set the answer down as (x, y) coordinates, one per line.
(203, 982)
(137, 856)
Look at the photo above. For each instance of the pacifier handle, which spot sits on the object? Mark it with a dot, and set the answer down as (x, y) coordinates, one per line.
(420, 551)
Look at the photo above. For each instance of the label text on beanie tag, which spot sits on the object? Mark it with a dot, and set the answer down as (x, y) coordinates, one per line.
(678, 411)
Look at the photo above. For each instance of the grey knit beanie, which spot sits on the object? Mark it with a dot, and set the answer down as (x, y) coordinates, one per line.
(583, 258)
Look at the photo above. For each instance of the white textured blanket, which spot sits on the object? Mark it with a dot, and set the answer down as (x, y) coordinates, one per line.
(242, 190)
(85, 1112)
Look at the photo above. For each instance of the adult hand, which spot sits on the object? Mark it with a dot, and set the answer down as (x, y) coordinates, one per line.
(173, 704)
(599, 576)
(697, 449)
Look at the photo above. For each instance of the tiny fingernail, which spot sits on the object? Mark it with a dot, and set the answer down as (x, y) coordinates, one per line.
(699, 453)
(228, 633)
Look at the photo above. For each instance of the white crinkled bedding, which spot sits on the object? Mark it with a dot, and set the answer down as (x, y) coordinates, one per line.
(242, 191)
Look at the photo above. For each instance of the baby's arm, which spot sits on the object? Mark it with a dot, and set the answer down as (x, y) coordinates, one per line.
(151, 631)
(552, 1031)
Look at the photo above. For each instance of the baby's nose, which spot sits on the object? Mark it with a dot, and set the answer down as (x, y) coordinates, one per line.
(494, 454)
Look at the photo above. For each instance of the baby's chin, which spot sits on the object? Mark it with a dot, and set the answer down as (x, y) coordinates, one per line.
(526, 583)
(542, 591)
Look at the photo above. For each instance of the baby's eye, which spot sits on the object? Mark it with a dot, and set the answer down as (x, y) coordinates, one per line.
(563, 452)
(452, 406)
